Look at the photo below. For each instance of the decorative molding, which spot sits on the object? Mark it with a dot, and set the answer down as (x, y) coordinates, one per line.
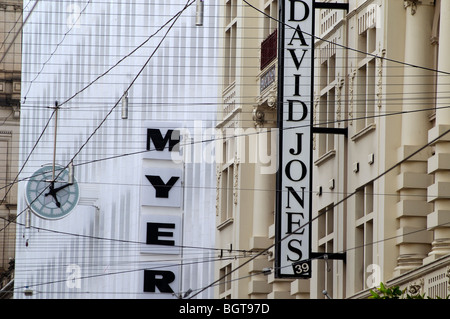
(412, 4)
(351, 96)
(369, 128)
(380, 78)
(218, 181)
(416, 288)
(316, 109)
(236, 179)
(447, 274)
(258, 115)
(339, 85)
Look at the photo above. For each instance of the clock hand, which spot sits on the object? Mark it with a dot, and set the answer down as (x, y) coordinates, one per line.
(52, 193)
(60, 188)
(58, 204)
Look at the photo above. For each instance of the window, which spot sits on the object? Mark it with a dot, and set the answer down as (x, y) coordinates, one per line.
(365, 80)
(230, 42)
(326, 241)
(364, 236)
(270, 17)
(225, 282)
(227, 175)
(327, 103)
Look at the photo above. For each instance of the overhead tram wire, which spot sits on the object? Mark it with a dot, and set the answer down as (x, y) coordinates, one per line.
(19, 31)
(248, 134)
(56, 48)
(209, 260)
(174, 19)
(330, 207)
(349, 48)
(45, 127)
(344, 199)
(21, 169)
(15, 24)
(100, 76)
(241, 135)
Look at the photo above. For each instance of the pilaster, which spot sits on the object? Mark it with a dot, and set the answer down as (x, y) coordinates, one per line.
(413, 180)
(439, 163)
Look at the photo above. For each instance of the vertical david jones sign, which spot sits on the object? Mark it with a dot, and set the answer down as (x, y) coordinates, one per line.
(295, 123)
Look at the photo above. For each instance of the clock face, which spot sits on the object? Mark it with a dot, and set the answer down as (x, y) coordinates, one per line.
(48, 199)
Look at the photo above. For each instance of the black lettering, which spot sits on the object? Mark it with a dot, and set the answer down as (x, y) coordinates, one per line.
(160, 279)
(300, 200)
(162, 190)
(290, 222)
(288, 169)
(299, 37)
(160, 142)
(153, 234)
(291, 111)
(295, 250)
(293, 11)
(299, 145)
(295, 59)
(297, 84)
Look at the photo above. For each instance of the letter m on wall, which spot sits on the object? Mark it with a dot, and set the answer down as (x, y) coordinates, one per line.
(162, 140)
(169, 142)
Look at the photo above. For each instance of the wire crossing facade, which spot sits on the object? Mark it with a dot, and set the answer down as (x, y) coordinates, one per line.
(380, 149)
(104, 87)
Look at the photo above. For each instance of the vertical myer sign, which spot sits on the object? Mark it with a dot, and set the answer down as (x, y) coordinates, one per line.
(161, 220)
(295, 92)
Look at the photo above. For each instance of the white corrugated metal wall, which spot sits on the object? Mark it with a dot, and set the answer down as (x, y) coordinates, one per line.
(66, 46)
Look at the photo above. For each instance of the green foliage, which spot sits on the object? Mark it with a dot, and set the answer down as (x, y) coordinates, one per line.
(395, 292)
(386, 293)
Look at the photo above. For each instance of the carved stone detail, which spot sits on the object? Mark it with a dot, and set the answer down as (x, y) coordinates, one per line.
(339, 86)
(236, 179)
(380, 78)
(412, 4)
(218, 181)
(315, 111)
(416, 288)
(351, 91)
(258, 115)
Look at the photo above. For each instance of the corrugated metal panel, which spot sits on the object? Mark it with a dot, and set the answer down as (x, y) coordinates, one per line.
(67, 45)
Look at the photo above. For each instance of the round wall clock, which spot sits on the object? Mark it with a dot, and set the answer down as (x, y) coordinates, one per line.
(52, 199)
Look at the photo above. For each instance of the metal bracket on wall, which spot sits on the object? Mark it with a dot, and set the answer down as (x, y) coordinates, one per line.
(330, 130)
(334, 256)
(327, 5)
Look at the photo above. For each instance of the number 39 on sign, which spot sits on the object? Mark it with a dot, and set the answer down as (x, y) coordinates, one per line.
(302, 268)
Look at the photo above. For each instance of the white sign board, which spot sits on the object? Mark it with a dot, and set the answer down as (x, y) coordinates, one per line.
(294, 181)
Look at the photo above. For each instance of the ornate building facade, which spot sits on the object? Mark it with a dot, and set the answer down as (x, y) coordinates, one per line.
(10, 75)
(381, 211)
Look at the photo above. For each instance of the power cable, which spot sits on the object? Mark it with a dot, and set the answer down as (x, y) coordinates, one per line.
(328, 208)
(348, 48)
(54, 51)
(174, 19)
(19, 31)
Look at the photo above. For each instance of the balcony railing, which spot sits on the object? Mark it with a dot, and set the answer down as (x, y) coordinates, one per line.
(269, 50)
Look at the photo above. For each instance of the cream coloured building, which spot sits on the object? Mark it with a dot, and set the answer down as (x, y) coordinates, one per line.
(10, 75)
(381, 182)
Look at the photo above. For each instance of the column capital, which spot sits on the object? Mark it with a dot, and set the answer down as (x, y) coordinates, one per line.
(415, 3)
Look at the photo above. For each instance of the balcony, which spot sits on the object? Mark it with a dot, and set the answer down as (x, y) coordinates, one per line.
(268, 55)
(269, 50)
